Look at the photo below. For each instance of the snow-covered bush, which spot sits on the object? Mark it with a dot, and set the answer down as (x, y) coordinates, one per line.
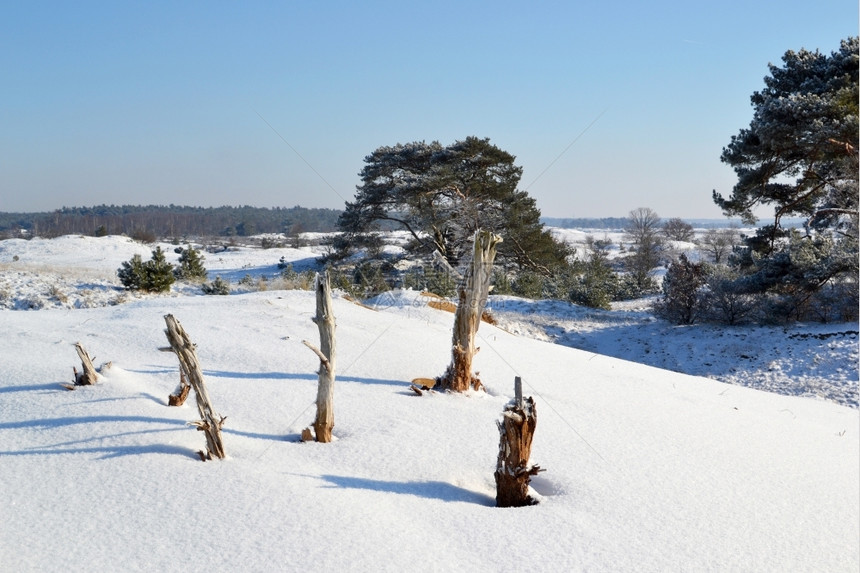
(217, 287)
(682, 298)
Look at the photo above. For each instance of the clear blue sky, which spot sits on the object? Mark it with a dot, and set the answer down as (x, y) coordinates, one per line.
(161, 102)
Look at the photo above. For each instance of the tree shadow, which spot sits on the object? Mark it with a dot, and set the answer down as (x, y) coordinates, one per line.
(69, 447)
(260, 436)
(108, 452)
(300, 376)
(428, 489)
(46, 423)
(33, 388)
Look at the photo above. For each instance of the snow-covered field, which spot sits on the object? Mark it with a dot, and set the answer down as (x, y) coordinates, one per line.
(647, 469)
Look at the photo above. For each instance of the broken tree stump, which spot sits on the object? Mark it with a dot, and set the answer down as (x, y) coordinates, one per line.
(88, 374)
(209, 423)
(472, 294)
(513, 472)
(325, 321)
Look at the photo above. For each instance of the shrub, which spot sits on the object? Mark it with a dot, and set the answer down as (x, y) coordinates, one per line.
(131, 273)
(270, 243)
(190, 264)
(431, 279)
(370, 279)
(501, 282)
(629, 287)
(597, 285)
(528, 284)
(725, 299)
(292, 280)
(143, 236)
(682, 301)
(154, 275)
(216, 287)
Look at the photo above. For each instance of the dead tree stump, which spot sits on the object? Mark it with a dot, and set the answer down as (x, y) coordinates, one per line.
(513, 473)
(325, 321)
(472, 293)
(88, 374)
(209, 423)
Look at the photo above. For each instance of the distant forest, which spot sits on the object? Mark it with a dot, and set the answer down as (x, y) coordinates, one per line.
(168, 221)
(619, 223)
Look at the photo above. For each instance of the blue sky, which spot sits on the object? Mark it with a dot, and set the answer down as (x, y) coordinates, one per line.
(608, 106)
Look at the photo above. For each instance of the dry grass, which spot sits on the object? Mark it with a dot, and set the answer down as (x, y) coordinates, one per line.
(440, 303)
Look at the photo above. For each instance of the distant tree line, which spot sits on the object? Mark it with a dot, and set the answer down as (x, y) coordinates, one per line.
(169, 221)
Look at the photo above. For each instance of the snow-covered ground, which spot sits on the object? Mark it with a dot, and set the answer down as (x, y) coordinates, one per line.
(815, 360)
(647, 469)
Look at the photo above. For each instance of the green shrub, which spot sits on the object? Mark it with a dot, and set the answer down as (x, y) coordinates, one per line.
(154, 275)
(216, 287)
(528, 284)
(190, 264)
(431, 279)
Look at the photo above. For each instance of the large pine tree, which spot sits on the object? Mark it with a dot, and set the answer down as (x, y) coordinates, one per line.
(799, 152)
(441, 195)
(799, 155)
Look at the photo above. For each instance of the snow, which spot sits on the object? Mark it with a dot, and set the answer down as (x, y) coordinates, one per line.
(816, 360)
(647, 469)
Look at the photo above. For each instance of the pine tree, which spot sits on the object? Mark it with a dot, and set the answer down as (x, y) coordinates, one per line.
(158, 273)
(154, 275)
(131, 273)
(799, 155)
(597, 284)
(682, 300)
(441, 195)
(190, 265)
(217, 287)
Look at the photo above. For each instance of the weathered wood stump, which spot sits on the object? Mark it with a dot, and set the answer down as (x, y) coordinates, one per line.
(325, 321)
(210, 423)
(513, 472)
(472, 293)
(88, 374)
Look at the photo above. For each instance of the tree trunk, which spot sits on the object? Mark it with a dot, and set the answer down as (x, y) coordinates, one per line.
(88, 374)
(472, 293)
(513, 472)
(324, 320)
(210, 423)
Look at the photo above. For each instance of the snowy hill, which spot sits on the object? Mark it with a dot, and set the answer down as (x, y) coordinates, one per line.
(647, 469)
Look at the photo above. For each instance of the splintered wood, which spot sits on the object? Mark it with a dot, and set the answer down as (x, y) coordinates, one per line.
(88, 374)
(210, 423)
(325, 321)
(513, 473)
(472, 294)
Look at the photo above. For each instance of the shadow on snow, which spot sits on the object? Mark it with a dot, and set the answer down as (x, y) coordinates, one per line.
(428, 489)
